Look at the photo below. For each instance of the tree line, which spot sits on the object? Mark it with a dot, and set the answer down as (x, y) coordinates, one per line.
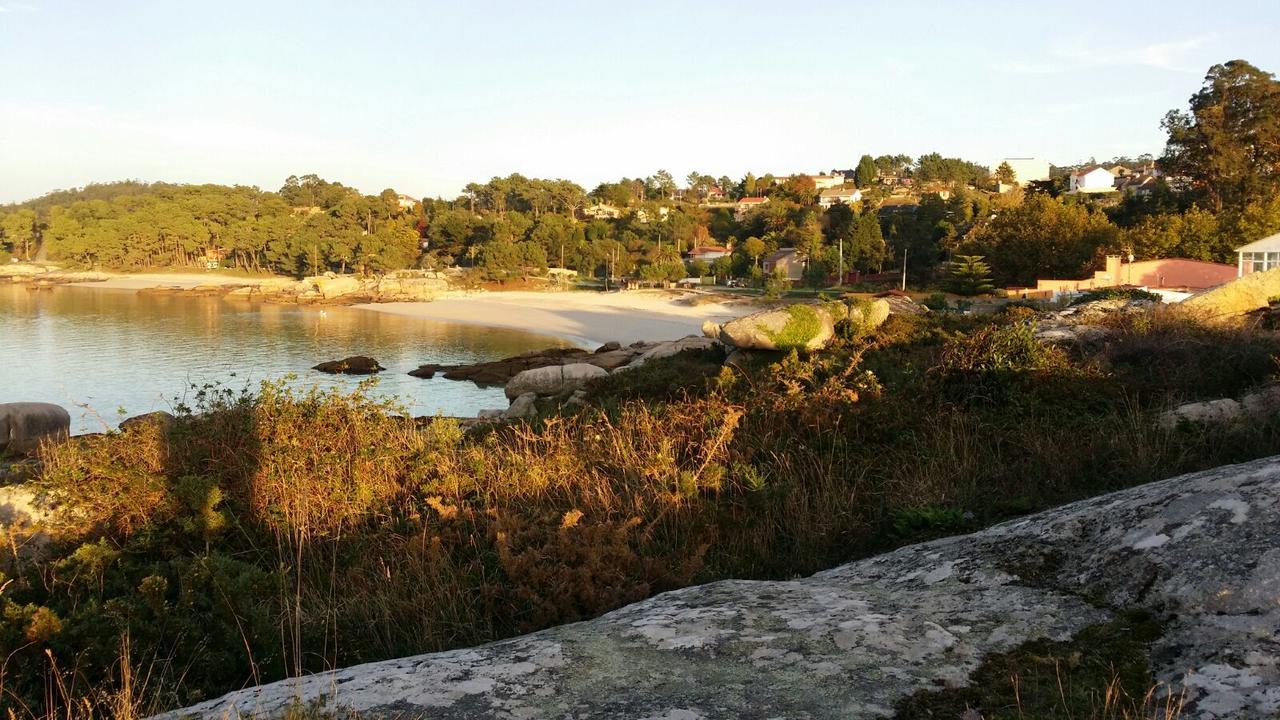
(1220, 189)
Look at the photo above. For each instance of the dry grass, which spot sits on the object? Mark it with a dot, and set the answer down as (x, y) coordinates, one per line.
(267, 536)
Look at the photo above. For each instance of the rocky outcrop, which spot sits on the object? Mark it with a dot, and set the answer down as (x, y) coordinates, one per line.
(354, 365)
(805, 327)
(24, 424)
(1085, 323)
(39, 276)
(1200, 551)
(555, 381)
(610, 357)
(1258, 404)
(1251, 292)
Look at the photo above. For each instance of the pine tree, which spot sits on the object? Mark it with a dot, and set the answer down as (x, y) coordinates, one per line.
(969, 275)
(1005, 174)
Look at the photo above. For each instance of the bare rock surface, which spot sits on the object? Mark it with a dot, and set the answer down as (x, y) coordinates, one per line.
(1201, 551)
(24, 424)
(354, 365)
(1251, 292)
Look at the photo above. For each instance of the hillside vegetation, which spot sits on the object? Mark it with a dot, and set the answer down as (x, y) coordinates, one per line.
(257, 537)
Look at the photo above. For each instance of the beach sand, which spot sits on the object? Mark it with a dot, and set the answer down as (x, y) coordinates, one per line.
(588, 319)
(143, 281)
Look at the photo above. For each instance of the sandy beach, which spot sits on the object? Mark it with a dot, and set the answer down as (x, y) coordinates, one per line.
(584, 318)
(588, 319)
(142, 281)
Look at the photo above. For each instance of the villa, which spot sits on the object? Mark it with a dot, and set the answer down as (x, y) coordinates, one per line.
(790, 260)
(846, 194)
(1258, 256)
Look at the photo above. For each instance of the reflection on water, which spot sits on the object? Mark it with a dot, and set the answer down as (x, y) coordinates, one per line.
(95, 351)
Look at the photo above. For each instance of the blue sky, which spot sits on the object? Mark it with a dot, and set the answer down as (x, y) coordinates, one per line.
(425, 97)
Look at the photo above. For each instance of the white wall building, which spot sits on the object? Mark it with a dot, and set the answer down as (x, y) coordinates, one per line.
(846, 194)
(1094, 179)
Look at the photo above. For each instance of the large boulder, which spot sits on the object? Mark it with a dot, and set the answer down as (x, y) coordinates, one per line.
(332, 286)
(354, 365)
(24, 424)
(1251, 292)
(794, 327)
(798, 327)
(1201, 551)
(668, 349)
(553, 380)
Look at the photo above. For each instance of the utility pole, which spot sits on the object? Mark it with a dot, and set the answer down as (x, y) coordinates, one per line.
(904, 269)
(840, 277)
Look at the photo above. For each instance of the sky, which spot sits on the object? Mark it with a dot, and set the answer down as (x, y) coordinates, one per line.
(424, 97)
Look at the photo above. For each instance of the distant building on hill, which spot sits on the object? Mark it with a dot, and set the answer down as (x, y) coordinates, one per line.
(406, 202)
(846, 194)
(822, 182)
(790, 260)
(1091, 179)
(747, 204)
(708, 253)
(600, 211)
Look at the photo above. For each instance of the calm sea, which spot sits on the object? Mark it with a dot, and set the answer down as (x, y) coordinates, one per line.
(108, 354)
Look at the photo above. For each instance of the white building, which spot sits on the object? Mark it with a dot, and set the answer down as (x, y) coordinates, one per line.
(1025, 169)
(405, 202)
(1259, 255)
(822, 182)
(1092, 179)
(846, 194)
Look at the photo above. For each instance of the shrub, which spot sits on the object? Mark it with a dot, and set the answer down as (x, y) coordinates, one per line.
(1137, 294)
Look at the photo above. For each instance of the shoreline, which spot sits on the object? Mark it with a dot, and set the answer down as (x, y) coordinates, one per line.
(582, 317)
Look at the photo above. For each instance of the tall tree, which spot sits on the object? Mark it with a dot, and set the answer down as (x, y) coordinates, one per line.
(1228, 143)
(1005, 174)
(865, 175)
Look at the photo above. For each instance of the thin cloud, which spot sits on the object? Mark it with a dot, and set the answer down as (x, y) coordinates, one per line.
(13, 7)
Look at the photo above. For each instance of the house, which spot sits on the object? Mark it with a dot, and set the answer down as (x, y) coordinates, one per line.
(405, 202)
(1140, 185)
(1258, 256)
(898, 205)
(822, 182)
(1167, 274)
(642, 215)
(600, 211)
(1025, 169)
(708, 253)
(846, 194)
(790, 260)
(747, 204)
(1092, 179)
(715, 193)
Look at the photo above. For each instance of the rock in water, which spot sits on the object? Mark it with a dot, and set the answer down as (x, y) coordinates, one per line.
(24, 424)
(354, 365)
(1200, 550)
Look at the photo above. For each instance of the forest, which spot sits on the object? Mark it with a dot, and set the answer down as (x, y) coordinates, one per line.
(1219, 188)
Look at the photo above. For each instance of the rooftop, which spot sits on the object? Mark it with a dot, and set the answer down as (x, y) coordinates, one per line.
(1271, 243)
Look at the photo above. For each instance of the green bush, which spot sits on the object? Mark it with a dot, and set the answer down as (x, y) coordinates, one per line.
(1117, 294)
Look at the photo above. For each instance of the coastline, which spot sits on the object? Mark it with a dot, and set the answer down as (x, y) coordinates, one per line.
(584, 318)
